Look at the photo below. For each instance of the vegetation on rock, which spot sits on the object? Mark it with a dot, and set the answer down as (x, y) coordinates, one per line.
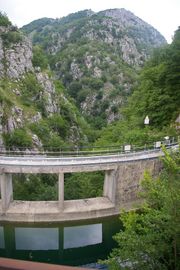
(4, 20)
(156, 95)
(97, 57)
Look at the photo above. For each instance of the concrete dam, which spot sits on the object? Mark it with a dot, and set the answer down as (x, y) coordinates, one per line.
(123, 173)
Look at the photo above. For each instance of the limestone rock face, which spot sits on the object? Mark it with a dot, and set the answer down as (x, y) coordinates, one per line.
(97, 72)
(15, 120)
(1, 59)
(28, 97)
(93, 50)
(48, 93)
(16, 58)
(36, 118)
(36, 141)
(76, 71)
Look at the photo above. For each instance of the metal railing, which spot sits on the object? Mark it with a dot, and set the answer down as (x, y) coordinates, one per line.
(88, 150)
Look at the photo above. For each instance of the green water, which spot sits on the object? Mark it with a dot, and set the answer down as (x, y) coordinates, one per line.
(72, 243)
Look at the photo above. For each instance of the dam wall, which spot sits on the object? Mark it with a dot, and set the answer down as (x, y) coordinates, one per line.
(123, 174)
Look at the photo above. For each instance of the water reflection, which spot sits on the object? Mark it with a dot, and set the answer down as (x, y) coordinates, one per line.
(81, 236)
(37, 238)
(74, 243)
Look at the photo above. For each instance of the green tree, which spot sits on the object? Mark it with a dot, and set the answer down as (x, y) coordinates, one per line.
(31, 90)
(18, 138)
(11, 37)
(74, 88)
(39, 58)
(40, 187)
(84, 185)
(4, 21)
(157, 94)
(173, 71)
(58, 124)
(150, 237)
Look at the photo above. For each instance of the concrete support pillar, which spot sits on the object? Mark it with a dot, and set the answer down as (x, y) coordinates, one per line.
(61, 190)
(110, 185)
(6, 190)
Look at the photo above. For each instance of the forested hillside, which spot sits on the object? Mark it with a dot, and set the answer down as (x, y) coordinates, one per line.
(157, 95)
(80, 69)
(35, 110)
(97, 57)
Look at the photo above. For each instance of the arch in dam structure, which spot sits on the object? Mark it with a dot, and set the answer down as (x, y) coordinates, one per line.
(123, 174)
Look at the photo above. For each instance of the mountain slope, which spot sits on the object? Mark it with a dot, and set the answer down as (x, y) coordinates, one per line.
(97, 57)
(35, 110)
(157, 95)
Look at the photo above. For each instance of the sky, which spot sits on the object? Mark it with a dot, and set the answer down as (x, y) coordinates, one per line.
(164, 15)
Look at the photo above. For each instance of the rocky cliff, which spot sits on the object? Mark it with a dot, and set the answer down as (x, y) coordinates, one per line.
(34, 110)
(97, 56)
(79, 67)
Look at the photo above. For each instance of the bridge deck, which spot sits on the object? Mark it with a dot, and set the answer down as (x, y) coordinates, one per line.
(43, 164)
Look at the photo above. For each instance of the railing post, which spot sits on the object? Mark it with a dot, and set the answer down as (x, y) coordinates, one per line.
(6, 190)
(61, 190)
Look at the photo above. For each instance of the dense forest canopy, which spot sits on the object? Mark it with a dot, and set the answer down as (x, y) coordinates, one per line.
(157, 95)
(158, 92)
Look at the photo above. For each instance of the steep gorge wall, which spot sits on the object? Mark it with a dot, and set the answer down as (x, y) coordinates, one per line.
(29, 95)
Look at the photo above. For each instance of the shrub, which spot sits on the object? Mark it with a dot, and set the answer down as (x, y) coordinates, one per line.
(4, 21)
(31, 89)
(83, 185)
(35, 187)
(55, 143)
(11, 37)
(82, 95)
(74, 88)
(58, 124)
(41, 129)
(39, 58)
(18, 138)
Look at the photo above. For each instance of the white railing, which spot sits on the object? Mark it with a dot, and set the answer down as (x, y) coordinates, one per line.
(90, 150)
(81, 160)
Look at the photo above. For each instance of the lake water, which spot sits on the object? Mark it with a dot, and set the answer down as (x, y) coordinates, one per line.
(72, 243)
